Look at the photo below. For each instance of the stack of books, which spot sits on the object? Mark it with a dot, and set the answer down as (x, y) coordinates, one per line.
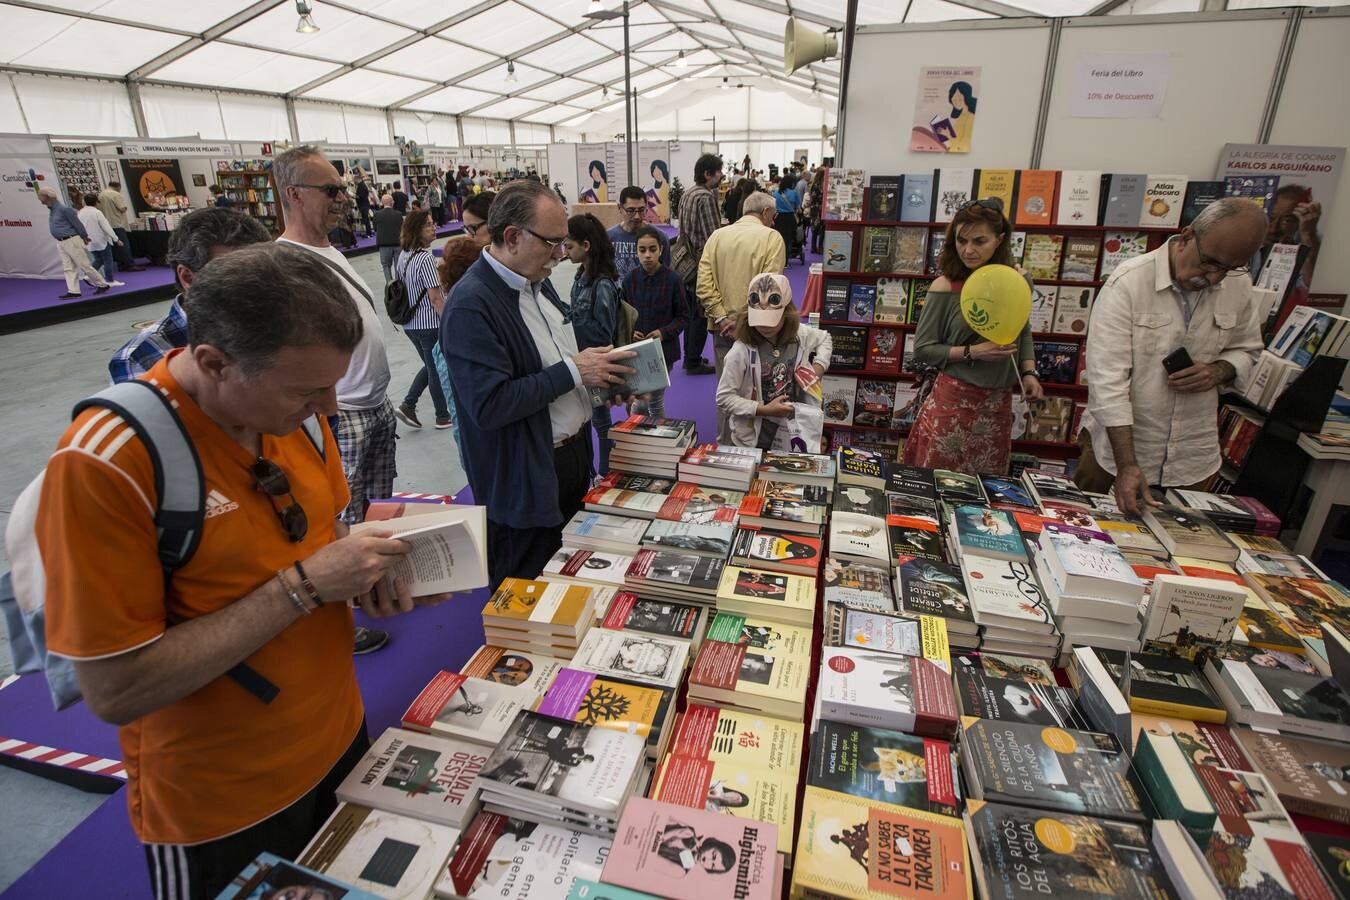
(539, 616)
(589, 568)
(651, 446)
(720, 465)
(1244, 515)
(775, 596)
(604, 533)
(1092, 588)
(785, 506)
(753, 665)
(676, 574)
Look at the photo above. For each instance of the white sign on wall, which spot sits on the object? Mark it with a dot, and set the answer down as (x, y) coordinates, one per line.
(172, 148)
(1119, 85)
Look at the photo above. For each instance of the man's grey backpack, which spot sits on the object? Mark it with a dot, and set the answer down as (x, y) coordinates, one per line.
(180, 513)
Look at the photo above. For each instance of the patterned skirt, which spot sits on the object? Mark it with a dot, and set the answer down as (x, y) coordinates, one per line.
(963, 428)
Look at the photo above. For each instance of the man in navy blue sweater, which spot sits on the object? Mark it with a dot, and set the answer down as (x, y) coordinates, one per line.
(519, 382)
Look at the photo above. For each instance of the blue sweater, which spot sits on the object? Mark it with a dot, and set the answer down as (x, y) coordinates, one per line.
(502, 393)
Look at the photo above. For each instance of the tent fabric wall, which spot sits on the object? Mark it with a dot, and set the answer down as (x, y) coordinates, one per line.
(253, 118)
(322, 122)
(74, 106)
(180, 113)
(366, 126)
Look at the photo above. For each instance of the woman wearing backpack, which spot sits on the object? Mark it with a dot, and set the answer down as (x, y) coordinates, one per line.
(416, 268)
(594, 307)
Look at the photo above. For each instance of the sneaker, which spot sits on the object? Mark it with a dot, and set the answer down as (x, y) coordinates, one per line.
(69, 295)
(117, 284)
(408, 415)
(701, 369)
(134, 269)
(368, 640)
(444, 422)
(100, 290)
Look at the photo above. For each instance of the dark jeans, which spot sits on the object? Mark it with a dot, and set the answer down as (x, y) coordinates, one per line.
(695, 327)
(818, 237)
(785, 223)
(364, 213)
(438, 215)
(387, 257)
(523, 552)
(123, 253)
(424, 339)
(201, 871)
(103, 261)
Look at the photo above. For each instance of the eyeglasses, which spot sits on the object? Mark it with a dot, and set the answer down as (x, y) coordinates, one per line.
(634, 210)
(555, 244)
(994, 204)
(272, 481)
(1213, 266)
(332, 190)
(471, 230)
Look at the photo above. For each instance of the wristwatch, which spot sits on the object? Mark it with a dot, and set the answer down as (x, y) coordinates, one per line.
(965, 353)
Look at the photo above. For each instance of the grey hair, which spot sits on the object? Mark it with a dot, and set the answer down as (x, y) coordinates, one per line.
(286, 167)
(48, 192)
(515, 205)
(757, 202)
(190, 244)
(252, 303)
(1227, 208)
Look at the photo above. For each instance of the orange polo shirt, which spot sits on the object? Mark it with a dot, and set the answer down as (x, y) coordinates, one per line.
(218, 760)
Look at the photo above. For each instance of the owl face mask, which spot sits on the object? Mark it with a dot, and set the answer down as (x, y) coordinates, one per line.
(770, 295)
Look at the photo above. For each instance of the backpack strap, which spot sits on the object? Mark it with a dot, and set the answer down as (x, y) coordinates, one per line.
(180, 487)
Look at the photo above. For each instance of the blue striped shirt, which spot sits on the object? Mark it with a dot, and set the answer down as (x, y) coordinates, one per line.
(417, 270)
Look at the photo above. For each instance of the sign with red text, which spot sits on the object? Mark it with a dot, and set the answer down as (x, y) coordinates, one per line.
(1119, 85)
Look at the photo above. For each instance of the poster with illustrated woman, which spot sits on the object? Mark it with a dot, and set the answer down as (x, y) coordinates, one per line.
(944, 109)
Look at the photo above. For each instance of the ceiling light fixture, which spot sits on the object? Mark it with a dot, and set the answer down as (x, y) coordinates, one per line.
(511, 71)
(726, 83)
(595, 7)
(604, 92)
(681, 62)
(306, 25)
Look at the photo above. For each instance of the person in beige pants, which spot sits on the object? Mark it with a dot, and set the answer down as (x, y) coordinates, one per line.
(68, 231)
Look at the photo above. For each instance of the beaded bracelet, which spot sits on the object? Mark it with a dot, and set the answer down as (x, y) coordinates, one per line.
(309, 585)
(290, 592)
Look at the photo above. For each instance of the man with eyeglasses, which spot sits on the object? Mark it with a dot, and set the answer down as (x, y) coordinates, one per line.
(219, 769)
(1144, 427)
(633, 209)
(520, 383)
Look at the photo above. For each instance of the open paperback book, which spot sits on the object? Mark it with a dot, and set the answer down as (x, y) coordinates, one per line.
(449, 547)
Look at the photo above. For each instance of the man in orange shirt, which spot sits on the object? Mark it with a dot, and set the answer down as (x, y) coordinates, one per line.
(217, 774)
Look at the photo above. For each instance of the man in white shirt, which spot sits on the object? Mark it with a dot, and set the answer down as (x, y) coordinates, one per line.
(1144, 427)
(102, 238)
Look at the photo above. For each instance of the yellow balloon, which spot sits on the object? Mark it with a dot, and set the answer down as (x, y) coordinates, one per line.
(996, 303)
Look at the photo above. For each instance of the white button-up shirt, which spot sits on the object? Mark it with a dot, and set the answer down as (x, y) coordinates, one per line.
(555, 342)
(1138, 319)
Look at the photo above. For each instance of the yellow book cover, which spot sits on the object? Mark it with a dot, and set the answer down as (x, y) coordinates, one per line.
(769, 594)
(710, 732)
(732, 787)
(853, 847)
(606, 702)
(540, 603)
(997, 183)
(755, 657)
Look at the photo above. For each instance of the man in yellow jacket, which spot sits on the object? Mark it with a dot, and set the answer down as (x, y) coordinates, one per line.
(734, 255)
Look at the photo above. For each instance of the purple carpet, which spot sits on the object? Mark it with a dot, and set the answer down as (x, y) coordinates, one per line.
(103, 851)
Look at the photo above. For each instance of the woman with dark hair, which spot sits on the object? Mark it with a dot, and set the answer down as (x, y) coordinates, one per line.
(816, 207)
(416, 268)
(598, 192)
(658, 195)
(681, 845)
(965, 424)
(962, 98)
(594, 303)
(785, 221)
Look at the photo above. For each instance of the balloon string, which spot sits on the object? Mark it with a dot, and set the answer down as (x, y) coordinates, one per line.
(1017, 377)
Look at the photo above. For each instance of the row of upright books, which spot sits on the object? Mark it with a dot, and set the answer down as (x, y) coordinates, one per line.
(1306, 334)
(1036, 197)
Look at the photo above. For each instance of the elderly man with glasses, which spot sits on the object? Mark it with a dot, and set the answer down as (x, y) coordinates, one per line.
(1146, 426)
(520, 383)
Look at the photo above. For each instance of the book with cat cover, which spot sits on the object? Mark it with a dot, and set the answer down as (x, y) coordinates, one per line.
(984, 696)
(1122, 199)
(911, 245)
(884, 347)
(859, 847)
(838, 250)
(892, 307)
(1080, 257)
(862, 300)
(905, 693)
(849, 347)
(507, 857)
(916, 197)
(1062, 769)
(732, 788)
(752, 739)
(383, 853)
(1035, 197)
(1079, 194)
(1120, 246)
(1042, 256)
(878, 246)
(834, 301)
(838, 395)
(675, 851)
(1163, 199)
(883, 198)
(890, 766)
(1073, 307)
(1064, 855)
(1042, 317)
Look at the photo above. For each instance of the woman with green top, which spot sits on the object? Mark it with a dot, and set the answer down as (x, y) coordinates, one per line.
(965, 424)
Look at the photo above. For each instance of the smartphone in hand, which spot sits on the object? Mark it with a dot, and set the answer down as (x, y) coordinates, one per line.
(1177, 360)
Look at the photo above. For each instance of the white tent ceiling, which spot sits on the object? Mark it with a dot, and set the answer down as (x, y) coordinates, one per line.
(527, 60)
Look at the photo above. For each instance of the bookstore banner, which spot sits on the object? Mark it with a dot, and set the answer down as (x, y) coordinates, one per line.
(26, 246)
(150, 182)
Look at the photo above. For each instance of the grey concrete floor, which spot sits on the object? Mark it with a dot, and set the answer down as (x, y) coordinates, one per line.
(44, 372)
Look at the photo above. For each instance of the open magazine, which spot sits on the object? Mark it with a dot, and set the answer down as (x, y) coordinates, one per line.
(449, 545)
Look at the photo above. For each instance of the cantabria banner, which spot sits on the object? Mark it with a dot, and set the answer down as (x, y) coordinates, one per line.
(26, 246)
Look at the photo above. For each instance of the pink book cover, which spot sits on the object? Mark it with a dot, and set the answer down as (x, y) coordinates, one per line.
(674, 851)
(1266, 521)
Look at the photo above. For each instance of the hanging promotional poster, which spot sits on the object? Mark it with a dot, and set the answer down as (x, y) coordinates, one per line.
(616, 166)
(653, 177)
(152, 183)
(592, 174)
(26, 246)
(944, 109)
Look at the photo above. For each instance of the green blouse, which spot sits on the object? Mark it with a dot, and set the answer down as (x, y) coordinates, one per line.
(942, 327)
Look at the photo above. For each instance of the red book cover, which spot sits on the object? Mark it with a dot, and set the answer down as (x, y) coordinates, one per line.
(432, 700)
(884, 347)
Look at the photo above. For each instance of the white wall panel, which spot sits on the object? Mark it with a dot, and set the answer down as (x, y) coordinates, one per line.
(252, 118)
(179, 113)
(75, 106)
